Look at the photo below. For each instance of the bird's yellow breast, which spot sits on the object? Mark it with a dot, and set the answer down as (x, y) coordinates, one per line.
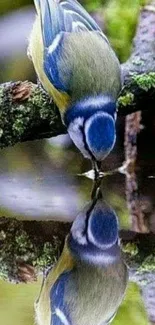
(35, 49)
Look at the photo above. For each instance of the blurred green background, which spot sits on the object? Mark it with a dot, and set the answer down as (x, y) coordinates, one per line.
(25, 169)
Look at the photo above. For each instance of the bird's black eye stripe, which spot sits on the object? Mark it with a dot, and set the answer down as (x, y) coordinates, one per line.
(85, 232)
(85, 142)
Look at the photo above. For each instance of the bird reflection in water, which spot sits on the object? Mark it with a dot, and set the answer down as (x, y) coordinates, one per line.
(88, 283)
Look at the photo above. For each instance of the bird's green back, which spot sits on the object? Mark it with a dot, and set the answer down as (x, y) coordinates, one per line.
(95, 293)
(93, 66)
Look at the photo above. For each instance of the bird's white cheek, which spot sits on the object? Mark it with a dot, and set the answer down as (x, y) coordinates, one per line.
(78, 229)
(77, 136)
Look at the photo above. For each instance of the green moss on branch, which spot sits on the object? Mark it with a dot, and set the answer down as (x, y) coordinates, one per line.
(27, 248)
(27, 113)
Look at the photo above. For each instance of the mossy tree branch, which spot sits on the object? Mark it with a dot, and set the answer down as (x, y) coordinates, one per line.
(138, 93)
(27, 113)
(28, 247)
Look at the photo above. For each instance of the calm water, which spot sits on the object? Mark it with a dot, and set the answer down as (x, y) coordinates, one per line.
(40, 180)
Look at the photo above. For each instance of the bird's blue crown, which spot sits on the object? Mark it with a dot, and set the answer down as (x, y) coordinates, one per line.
(91, 125)
(94, 235)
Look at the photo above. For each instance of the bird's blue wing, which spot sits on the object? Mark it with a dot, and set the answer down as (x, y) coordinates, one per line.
(58, 18)
(60, 310)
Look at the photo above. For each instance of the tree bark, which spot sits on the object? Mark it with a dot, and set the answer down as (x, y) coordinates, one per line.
(141, 64)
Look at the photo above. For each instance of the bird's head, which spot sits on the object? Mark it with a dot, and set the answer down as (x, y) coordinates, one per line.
(91, 126)
(94, 234)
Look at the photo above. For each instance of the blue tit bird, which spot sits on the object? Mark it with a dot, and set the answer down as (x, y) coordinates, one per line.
(78, 68)
(88, 283)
